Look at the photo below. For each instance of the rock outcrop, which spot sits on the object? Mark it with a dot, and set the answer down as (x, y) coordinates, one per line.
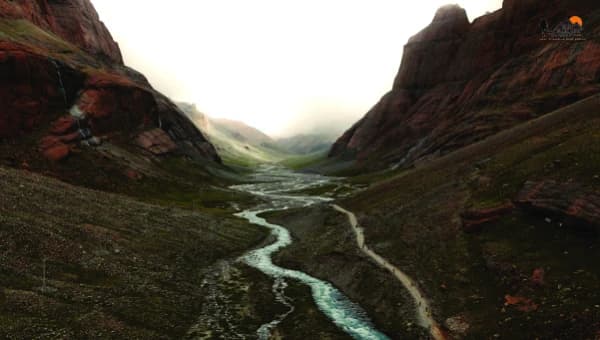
(571, 204)
(460, 82)
(62, 77)
(472, 220)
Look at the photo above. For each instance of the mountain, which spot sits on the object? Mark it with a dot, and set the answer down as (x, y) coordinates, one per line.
(114, 206)
(69, 101)
(118, 220)
(237, 142)
(306, 144)
(493, 202)
(241, 132)
(461, 82)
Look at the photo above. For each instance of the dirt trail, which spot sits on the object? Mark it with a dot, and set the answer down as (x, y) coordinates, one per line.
(423, 310)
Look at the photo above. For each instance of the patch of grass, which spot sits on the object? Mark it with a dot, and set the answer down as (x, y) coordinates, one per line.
(303, 161)
(566, 154)
(238, 153)
(45, 43)
(25, 32)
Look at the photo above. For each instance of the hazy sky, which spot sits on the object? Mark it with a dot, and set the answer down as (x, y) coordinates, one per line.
(282, 66)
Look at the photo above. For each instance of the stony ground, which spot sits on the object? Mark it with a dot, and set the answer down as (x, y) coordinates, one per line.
(78, 263)
(238, 300)
(81, 263)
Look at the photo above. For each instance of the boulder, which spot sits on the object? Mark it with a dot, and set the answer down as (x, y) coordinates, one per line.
(57, 152)
(473, 220)
(521, 303)
(457, 325)
(63, 125)
(537, 277)
(133, 175)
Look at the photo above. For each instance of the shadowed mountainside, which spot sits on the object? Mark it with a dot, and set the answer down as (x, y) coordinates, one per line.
(81, 263)
(502, 235)
(460, 82)
(67, 97)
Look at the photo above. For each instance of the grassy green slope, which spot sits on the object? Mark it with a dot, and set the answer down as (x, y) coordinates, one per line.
(114, 265)
(238, 144)
(239, 152)
(304, 161)
(413, 219)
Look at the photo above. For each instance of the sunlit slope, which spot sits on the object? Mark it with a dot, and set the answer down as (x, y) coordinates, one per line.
(241, 144)
(306, 144)
(236, 142)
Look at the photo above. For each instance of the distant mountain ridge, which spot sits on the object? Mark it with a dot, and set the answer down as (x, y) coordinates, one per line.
(237, 139)
(237, 142)
(242, 132)
(306, 143)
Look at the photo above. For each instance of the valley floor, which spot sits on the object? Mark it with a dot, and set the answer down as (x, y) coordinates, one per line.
(501, 237)
(81, 263)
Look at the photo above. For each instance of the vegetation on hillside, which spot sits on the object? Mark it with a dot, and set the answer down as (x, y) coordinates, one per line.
(523, 274)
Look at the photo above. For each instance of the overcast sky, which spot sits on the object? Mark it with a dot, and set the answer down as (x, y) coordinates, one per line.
(282, 66)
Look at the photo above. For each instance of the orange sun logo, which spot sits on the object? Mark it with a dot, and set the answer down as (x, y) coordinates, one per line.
(575, 20)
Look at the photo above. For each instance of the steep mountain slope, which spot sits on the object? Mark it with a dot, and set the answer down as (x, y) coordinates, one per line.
(237, 142)
(78, 263)
(67, 97)
(460, 82)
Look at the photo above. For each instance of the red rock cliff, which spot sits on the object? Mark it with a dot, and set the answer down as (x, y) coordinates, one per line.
(62, 79)
(460, 82)
(74, 20)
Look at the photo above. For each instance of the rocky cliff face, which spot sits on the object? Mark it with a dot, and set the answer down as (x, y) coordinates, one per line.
(73, 20)
(460, 82)
(63, 87)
